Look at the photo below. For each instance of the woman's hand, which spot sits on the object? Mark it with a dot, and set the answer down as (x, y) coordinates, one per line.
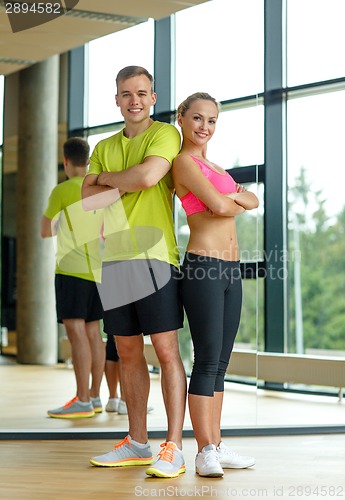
(240, 188)
(244, 198)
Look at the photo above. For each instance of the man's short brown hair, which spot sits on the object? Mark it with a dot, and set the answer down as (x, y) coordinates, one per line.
(131, 71)
(77, 151)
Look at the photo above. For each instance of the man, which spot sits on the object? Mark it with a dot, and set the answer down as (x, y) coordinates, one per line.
(140, 267)
(77, 300)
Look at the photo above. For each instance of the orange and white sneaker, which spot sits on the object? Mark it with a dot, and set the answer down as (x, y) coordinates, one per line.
(73, 409)
(125, 453)
(170, 462)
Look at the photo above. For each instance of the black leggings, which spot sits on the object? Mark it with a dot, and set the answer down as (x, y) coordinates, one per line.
(111, 353)
(212, 297)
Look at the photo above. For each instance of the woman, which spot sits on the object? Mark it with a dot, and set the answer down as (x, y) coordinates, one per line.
(211, 283)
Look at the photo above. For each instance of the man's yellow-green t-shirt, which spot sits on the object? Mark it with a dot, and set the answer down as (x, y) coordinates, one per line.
(140, 224)
(78, 250)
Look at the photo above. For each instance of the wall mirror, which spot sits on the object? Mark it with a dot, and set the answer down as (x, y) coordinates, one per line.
(280, 133)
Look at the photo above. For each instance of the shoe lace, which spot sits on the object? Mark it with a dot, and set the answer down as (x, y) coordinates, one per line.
(123, 443)
(167, 451)
(211, 457)
(69, 403)
(230, 453)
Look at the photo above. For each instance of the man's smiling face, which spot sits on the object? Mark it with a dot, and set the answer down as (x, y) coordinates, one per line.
(135, 98)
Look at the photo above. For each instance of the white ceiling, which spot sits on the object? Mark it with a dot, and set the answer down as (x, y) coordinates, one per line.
(88, 20)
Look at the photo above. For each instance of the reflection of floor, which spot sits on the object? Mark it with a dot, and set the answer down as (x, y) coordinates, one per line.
(297, 409)
(29, 391)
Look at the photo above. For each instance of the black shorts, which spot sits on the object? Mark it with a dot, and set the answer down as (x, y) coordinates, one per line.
(160, 309)
(77, 298)
(110, 349)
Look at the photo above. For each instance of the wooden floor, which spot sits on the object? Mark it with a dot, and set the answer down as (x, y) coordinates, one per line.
(290, 466)
(287, 467)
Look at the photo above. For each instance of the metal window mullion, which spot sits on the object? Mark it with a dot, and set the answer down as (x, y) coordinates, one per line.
(275, 183)
(76, 89)
(163, 68)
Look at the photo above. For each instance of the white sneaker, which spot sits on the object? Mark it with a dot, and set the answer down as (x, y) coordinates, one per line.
(229, 459)
(207, 462)
(112, 405)
(122, 408)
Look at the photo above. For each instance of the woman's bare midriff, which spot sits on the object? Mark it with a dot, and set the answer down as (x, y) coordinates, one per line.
(213, 236)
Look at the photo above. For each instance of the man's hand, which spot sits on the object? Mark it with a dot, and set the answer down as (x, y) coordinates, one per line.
(96, 196)
(136, 178)
(103, 179)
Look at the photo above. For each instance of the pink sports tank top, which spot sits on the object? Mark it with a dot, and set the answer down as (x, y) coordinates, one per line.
(224, 183)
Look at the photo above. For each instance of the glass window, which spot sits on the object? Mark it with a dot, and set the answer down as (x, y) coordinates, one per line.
(316, 150)
(250, 228)
(181, 226)
(250, 233)
(239, 138)
(219, 49)
(250, 334)
(315, 40)
(109, 54)
(94, 139)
